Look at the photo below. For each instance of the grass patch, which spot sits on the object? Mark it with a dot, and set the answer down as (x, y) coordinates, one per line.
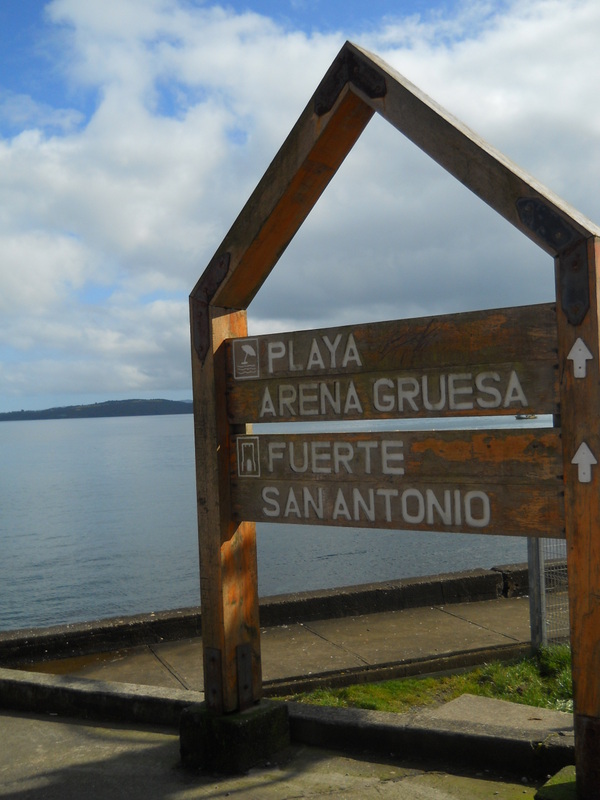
(542, 680)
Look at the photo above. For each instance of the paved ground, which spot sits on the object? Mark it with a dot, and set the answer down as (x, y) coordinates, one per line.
(348, 644)
(53, 759)
(45, 756)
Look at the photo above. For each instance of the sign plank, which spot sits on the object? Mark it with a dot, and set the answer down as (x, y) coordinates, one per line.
(500, 482)
(507, 510)
(516, 455)
(482, 390)
(522, 333)
(498, 362)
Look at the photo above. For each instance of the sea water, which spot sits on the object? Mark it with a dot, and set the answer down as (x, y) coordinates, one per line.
(98, 519)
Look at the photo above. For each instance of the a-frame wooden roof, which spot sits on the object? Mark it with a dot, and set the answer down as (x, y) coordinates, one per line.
(357, 85)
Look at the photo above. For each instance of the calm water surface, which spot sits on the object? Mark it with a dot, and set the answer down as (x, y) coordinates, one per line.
(98, 519)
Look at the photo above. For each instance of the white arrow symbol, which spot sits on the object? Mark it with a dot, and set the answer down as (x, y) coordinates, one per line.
(584, 458)
(579, 354)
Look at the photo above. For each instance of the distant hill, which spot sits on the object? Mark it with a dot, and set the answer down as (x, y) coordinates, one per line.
(111, 408)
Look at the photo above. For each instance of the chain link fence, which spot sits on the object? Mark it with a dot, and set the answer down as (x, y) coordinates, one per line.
(548, 591)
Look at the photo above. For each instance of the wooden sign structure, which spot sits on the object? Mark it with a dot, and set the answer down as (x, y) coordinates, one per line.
(541, 359)
(457, 480)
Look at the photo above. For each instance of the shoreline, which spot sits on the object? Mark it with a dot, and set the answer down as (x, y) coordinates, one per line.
(30, 645)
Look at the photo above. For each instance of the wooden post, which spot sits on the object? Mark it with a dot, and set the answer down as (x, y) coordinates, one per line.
(279, 205)
(228, 572)
(578, 334)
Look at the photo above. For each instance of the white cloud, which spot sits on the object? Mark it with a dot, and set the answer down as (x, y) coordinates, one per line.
(524, 82)
(107, 220)
(18, 111)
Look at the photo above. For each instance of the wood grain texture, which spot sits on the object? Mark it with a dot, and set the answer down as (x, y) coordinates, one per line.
(483, 169)
(504, 456)
(478, 390)
(228, 572)
(496, 482)
(291, 186)
(317, 146)
(449, 507)
(580, 422)
(495, 336)
(497, 362)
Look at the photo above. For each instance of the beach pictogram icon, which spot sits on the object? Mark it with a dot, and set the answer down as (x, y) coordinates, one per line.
(248, 351)
(245, 359)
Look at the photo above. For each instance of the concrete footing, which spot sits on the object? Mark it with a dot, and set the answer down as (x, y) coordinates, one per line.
(232, 744)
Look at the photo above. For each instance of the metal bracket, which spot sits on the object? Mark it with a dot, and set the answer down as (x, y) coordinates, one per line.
(243, 656)
(348, 68)
(573, 279)
(211, 279)
(546, 223)
(570, 249)
(213, 686)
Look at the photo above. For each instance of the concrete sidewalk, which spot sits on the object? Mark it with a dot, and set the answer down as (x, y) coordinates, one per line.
(333, 651)
(58, 759)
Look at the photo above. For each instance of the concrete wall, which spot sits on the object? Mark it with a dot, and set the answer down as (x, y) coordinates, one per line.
(19, 648)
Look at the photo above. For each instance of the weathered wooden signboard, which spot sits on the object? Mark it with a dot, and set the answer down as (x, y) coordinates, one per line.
(403, 481)
(496, 362)
(356, 471)
(506, 482)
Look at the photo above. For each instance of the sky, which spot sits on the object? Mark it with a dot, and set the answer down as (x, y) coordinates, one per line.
(132, 132)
